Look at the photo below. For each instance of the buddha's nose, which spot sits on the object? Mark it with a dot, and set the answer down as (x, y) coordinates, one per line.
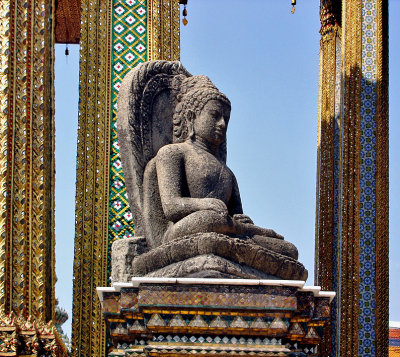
(221, 123)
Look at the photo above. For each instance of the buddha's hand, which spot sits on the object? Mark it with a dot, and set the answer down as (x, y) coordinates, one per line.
(242, 218)
(216, 205)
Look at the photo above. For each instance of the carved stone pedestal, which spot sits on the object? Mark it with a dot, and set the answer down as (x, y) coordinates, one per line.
(214, 317)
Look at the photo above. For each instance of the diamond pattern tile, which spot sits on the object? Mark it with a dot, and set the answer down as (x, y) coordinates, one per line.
(129, 49)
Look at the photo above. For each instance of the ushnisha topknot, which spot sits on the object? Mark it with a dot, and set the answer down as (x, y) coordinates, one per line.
(194, 93)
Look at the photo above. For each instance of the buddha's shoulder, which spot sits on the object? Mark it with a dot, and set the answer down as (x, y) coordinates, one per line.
(173, 150)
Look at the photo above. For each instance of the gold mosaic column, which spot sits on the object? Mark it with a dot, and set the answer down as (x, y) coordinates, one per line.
(115, 36)
(27, 274)
(163, 30)
(352, 181)
(327, 154)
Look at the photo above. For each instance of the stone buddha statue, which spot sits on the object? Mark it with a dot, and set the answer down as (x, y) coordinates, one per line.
(185, 200)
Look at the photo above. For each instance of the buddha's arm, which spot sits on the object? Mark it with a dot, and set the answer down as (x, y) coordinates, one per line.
(235, 204)
(243, 221)
(170, 176)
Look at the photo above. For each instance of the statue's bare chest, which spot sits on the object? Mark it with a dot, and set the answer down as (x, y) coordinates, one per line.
(207, 177)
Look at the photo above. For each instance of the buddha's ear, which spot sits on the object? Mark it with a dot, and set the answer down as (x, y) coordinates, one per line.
(190, 123)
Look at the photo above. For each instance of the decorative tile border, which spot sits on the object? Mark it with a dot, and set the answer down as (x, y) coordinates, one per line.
(157, 327)
(214, 296)
(218, 340)
(129, 49)
(367, 257)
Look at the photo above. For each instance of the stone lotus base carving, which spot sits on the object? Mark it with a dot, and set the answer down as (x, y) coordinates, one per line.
(210, 255)
(214, 317)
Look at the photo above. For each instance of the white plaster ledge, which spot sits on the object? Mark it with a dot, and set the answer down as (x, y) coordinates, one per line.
(135, 283)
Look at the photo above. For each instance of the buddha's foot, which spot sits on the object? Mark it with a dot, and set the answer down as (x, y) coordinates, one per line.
(272, 261)
(277, 245)
(209, 266)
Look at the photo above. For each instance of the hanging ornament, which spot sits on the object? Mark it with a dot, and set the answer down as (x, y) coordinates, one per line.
(184, 12)
(66, 53)
(293, 6)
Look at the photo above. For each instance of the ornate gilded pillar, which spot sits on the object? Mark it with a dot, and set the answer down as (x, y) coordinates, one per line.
(328, 156)
(27, 274)
(116, 35)
(352, 179)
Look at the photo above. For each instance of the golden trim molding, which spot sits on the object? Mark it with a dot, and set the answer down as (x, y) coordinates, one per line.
(4, 98)
(90, 261)
(382, 180)
(27, 158)
(163, 38)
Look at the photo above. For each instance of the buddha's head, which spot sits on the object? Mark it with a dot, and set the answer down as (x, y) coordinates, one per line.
(202, 111)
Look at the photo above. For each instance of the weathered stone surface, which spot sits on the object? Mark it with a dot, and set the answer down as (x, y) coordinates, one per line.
(245, 256)
(122, 253)
(185, 200)
(209, 266)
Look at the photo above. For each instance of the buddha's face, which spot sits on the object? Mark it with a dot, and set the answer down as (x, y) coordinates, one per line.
(212, 122)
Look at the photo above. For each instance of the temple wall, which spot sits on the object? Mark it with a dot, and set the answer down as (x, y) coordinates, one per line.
(352, 180)
(115, 36)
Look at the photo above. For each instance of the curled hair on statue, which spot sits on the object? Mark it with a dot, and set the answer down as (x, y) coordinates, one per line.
(180, 128)
(190, 116)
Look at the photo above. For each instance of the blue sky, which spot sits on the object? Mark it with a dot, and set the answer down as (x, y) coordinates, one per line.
(266, 60)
